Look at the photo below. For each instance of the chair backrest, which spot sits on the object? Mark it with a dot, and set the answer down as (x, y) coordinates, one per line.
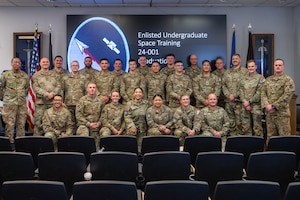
(247, 190)
(245, 145)
(5, 144)
(197, 144)
(15, 166)
(81, 144)
(290, 143)
(123, 143)
(157, 143)
(33, 189)
(67, 167)
(272, 166)
(121, 166)
(166, 165)
(34, 145)
(176, 189)
(218, 166)
(103, 190)
(292, 191)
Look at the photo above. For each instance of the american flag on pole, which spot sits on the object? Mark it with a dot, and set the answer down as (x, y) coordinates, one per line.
(33, 68)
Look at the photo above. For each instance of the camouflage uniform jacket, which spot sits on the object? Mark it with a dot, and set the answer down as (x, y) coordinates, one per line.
(193, 72)
(250, 89)
(112, 116)
(143, 70)
(168, 70)
(57, 121)
(43, 83)
(231, 80)
(157, 117)
(89, 110)
(105, 82)
(14, 87)
(218, 73)
(135, 115)
(212, 120)
(178, 85)
(187, 119)
(129, 82)
(89, 73)
(203, 86)
(59, 75)
(156, 84)
(74, 87)
(118, 77)
(278, 91)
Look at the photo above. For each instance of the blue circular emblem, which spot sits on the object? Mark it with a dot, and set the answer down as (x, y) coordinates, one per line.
(98, 37)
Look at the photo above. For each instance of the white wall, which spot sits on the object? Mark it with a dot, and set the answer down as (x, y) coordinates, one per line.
(280, 21)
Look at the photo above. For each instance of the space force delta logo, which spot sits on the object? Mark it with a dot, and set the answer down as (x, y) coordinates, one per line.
(98, 37)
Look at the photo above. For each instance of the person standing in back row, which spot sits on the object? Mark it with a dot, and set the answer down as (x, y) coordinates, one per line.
(13, 91)
(177, 85)
(276, 94)
(230, 86)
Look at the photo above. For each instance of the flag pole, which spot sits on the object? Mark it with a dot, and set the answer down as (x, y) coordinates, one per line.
(50, 46)
(233, 51)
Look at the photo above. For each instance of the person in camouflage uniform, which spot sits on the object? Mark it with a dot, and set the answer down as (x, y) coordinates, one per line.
(204, 84)
(105, 81)
(143, 68)
(45, 87)
(58, 71)
(88, 71)
(88, 113)
(155, 82)
(169, 68)
(177, 85)
(276, 94)
(57, 121)
(118, 73)
(214, 120)
(250, 95)
(187, 120)
(219, 72)
(230, 86)
(135, 116)
(130, 81)
(159, 118)
(13, 91)
(192, 71)
(74, 87)
(112, 117)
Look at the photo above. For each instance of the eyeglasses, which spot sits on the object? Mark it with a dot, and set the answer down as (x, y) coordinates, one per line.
(17, 63)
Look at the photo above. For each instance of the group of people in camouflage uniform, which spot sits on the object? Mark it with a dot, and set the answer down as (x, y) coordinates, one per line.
(148, 100)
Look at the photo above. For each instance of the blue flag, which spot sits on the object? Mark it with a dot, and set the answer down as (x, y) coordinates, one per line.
(232, 47)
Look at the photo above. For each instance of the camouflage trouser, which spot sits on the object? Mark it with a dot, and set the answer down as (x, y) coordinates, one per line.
(73, 117)
(277, 125)
(104, 131)
(14, 116)
(181, 135)
(234, 110)
(139, 136)
(38, 115)
(53, 136)
(85, 131)
(252, 123)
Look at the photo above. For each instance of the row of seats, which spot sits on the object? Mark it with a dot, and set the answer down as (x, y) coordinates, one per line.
(242, 144)
(156, 190)
(210, 167)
